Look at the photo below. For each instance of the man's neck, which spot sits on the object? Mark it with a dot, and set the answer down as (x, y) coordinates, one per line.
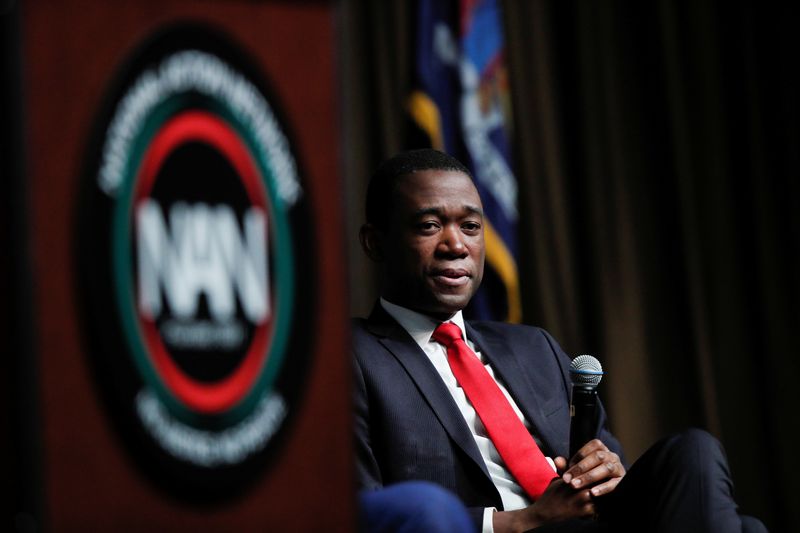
(436, 317)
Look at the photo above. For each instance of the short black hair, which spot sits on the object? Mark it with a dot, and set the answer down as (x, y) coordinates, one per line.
(383, 181)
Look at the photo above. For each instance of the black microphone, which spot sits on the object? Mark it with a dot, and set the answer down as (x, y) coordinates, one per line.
(586, 373)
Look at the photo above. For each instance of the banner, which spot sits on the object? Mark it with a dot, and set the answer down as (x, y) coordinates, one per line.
(461, 105)
(193, 215)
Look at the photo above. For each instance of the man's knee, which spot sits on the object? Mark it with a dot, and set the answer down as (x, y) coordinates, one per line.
(699, 439)
(686, 459)
(683, 483)
(752, 525)
(694, 449)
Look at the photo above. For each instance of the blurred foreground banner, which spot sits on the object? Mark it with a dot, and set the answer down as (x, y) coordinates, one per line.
(192, 355)
(193, 236)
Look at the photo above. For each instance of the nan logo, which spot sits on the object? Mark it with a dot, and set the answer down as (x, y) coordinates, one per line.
(192, 257)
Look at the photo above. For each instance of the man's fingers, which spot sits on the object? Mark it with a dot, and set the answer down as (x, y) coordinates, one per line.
(599, 473)
(605, 488)
(587, 510)
(584, 458)
(587, 458)
(583, 503)
(586, 450)
(598, 465)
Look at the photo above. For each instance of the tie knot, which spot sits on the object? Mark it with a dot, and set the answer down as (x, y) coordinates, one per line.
(447, 333)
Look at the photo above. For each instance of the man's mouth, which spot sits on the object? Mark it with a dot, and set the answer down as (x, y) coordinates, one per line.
(451, 277)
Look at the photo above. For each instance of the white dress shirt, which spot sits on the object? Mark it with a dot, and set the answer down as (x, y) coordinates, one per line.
(421, 328)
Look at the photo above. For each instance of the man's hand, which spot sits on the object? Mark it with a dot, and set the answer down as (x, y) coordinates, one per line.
(558, 503)
(595, 470)
(594, 466)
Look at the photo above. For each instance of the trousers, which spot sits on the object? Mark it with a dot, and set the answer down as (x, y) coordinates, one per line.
(682, 484)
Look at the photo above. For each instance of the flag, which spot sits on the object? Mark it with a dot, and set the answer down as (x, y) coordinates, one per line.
(460, 104)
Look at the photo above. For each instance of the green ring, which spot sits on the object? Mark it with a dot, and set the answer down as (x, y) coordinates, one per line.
(283, 257)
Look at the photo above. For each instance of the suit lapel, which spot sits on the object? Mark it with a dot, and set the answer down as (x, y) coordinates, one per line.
(400, 344)
(530, 390)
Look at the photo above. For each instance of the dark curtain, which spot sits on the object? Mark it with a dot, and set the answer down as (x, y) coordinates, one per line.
(375, 44)
(656, 147)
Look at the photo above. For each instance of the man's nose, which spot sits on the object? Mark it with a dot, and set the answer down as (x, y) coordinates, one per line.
(452, 241)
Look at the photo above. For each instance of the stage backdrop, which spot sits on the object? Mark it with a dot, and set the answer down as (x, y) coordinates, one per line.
(183, 193)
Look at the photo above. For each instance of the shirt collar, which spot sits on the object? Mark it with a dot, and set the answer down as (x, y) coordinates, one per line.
(418, 325)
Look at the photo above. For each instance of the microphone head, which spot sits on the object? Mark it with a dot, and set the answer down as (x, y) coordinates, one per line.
(586, 370)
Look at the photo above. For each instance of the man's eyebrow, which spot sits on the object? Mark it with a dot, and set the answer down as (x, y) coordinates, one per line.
(474, 209)
(438, 211)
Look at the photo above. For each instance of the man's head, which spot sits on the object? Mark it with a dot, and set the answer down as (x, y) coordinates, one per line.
(425, 226)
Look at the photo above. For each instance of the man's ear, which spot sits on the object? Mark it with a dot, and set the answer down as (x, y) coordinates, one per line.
(371, 242)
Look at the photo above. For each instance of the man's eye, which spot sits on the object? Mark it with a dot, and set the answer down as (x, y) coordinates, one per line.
(471, 226)
(428, 226)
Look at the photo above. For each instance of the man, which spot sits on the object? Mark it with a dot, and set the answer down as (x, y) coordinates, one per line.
(482, 408)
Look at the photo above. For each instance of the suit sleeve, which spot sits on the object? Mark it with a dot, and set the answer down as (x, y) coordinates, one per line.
(368, 474)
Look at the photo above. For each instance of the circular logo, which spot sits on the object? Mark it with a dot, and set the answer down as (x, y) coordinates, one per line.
(192, 262)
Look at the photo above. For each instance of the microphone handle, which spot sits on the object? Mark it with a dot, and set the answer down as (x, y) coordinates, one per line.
(583, 426)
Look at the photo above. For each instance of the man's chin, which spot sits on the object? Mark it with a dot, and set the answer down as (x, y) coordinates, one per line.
(439, 304)
(450, 304)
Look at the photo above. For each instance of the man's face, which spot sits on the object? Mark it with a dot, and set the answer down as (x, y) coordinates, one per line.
(434, 248)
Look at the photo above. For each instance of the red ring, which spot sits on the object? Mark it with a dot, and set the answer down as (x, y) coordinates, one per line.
(200, 126)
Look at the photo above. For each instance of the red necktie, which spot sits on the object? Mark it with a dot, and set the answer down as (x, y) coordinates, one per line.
(516, 446)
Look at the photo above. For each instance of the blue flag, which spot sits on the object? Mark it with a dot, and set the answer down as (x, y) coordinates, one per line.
(461, 103)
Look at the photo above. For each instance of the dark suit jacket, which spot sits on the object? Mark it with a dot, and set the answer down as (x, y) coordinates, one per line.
(408, 427)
